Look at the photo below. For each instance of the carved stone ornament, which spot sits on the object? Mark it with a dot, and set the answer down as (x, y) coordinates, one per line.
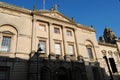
(56, 16)
(103, 52)
(116, 53)
(110, 52)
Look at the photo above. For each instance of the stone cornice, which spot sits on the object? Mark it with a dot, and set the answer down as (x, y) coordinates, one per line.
(118, 40)
(86, 28)
(14, 8)
(35, 12)
(107, 44)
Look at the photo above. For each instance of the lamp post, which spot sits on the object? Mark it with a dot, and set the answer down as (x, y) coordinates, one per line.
(80, 58)
(105, 57)
(37, 54)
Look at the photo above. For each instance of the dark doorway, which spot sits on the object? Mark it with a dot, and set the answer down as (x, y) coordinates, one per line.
(61, 74)
(77, 74)
(4, 72)
(45, 74)
(96, 73)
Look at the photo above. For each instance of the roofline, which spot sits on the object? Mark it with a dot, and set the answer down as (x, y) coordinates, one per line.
(38, 13)
(58, 13)
(15, 8)
(86, 27)
(107, 44)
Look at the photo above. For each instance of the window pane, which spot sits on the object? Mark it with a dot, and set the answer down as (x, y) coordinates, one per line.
(42, 45)
(56, 30)
(69, 33)
(42, 27)
(5, 46)
(71, 49)
(90, 53)
(57, 48)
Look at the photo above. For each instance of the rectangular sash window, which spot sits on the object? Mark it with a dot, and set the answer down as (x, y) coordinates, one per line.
(90, 52)
(6, 42)
(71, 49)
(42, 45)
(57, 48)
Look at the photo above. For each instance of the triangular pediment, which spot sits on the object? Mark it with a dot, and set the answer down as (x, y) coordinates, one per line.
(55, 15)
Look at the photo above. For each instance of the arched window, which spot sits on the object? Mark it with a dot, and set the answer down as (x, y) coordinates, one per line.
(90, 49)
(90, 52)
(8, 37)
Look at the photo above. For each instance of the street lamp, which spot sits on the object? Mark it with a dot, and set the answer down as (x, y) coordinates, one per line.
(37, 54)
(80, 58)
(105, 57)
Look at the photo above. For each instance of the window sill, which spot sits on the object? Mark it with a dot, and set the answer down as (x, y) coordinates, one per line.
(7, 54)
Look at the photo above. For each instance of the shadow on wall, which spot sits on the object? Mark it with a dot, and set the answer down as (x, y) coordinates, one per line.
(57, 69)
(13, 68)
(50, 69)
(95, 72)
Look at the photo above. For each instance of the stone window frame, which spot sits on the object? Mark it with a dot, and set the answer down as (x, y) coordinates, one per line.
(69, 33)
(43, 40)
(58, 42)
(10, 31)
(56, 30)
(71, 44)
(91, 55)
(6, 34)
(89, 44)
(42, 25)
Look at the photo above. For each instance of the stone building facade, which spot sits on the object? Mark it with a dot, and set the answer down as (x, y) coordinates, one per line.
(69, 51)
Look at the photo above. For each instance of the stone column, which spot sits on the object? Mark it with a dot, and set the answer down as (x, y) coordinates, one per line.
(76, 43)
(50, 36)
(64, 40)
(33, 41)
(51, 44)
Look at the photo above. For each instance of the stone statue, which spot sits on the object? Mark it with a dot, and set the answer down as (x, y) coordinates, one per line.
(109, 36)
(54, 8)
(101, 39)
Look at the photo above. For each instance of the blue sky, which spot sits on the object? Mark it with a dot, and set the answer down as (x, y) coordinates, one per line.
(99, 13)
